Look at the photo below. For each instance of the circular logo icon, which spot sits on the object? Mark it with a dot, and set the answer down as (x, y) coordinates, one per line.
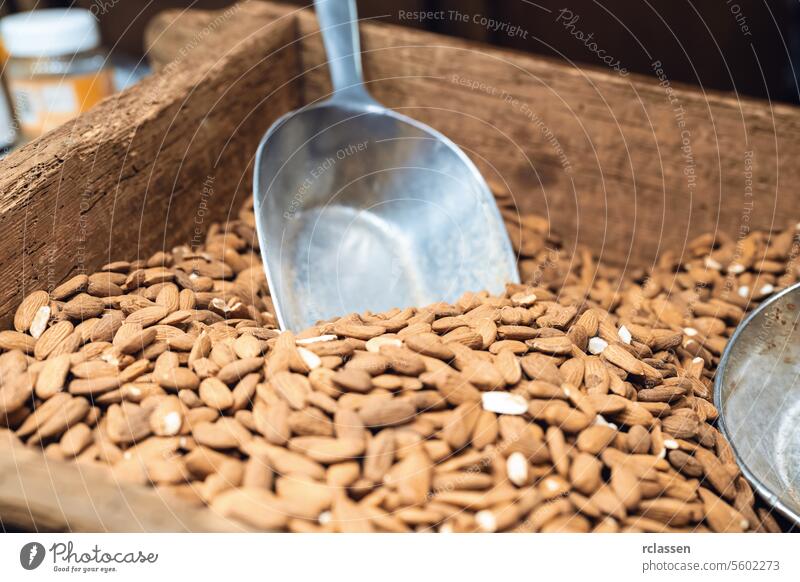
(31, 555)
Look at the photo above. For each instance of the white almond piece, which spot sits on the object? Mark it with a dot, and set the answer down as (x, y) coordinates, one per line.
(39, 322)
(597, 345)
(767, 289)
(504, 403)
(690, 331)
(172, 423)
(315, 339)
(312, 360)
(744, 291)
(517, 468)
(712, 264)
(625, 334)
(523, 300)
(601, 420)
(486, 521)
(374, 345)
(735, 268)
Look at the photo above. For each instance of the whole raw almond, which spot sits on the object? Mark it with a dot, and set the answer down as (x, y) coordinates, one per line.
(327, 450)
(387, 412)
(70, 287)
(178, 378)
(238, 369)
(16, 340)
(62, 419)
(558, 345)
(77, 438)
(147, 316)
(294, 388)
(379, 456)
(167, 417)
(429, 344)
(272, 421)
(16, 392)
(619, 356)
(255, 507)
(225, 433)
(362, 332)
(353, 380)
(83, 306)
(216, 394)
(131, 338)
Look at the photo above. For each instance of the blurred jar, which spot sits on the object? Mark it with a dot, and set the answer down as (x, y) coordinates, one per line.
(8, 126)
(9, 130)
(56, 68)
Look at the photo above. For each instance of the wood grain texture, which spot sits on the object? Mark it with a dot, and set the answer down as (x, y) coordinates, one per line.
(171, 33)
(39, 494)
(623, 164)
(127, 178)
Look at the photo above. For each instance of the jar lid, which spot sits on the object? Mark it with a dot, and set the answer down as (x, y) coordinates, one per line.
(50, 33)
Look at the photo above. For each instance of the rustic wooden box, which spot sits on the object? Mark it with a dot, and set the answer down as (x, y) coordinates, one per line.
(627, 165)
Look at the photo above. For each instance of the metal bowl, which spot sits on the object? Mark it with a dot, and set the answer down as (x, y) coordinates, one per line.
(757, 393)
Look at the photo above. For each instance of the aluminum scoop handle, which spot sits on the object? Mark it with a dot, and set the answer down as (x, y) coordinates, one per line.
(338, 22)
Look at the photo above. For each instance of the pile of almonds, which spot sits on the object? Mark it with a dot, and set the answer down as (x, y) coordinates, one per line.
(579, 401)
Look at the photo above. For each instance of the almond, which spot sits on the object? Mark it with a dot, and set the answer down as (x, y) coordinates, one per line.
(28, 309)
(15, 340)
(381, 412)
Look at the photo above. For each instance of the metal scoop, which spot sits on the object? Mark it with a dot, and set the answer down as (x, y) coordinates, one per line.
(757, 392)
(361, 208)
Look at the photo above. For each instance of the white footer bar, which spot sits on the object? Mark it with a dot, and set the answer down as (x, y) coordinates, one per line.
(406, 558)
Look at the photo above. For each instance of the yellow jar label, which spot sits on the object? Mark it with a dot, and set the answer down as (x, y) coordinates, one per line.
(43, 103)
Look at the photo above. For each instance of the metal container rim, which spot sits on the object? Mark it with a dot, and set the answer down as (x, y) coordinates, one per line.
(719, 380)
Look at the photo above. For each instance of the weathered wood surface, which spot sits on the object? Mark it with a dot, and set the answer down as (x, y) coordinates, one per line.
(171, 34)
(40, 494)
(622, 164)
(128, 178)
(624, 184)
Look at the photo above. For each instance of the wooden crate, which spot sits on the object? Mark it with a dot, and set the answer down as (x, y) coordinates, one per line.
(625, 165)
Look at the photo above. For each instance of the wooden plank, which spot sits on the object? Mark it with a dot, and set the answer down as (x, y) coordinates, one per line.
(173, 33)
(40, 494)
(132, 176)
(621, 164)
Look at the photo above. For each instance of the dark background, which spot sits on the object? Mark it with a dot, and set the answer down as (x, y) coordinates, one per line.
(699, 42)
